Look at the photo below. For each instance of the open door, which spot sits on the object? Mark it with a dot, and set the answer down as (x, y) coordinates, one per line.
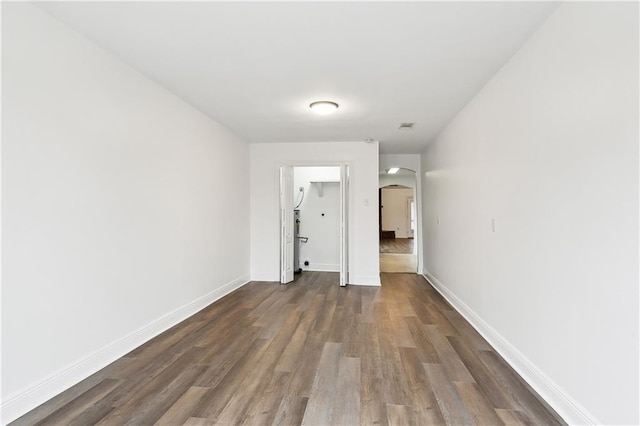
(344, 225)
(286, 224)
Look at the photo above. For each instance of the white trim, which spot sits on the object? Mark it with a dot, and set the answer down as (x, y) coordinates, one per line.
(569, 409)
(265, 276)
(364, 280)
(344, 207)
(21, 403)
(322, 267)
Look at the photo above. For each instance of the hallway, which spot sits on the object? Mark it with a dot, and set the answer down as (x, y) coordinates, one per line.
(397, 245)
(309, 352)
(397, 255)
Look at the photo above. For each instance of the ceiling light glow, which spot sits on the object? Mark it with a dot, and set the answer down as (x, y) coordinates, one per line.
(393, 170)
(323, 107)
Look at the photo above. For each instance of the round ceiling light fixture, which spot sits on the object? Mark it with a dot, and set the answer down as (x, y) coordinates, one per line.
(323, 107)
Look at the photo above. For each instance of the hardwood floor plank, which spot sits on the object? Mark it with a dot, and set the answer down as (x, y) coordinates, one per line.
(451, 405)
(426, 351)
(253, 385)
(464, 330)
(435, 315)
(482, 376)
(321, 399)
(91, 415)
(216, 334)
(336, 331)
(398, 263)
(513, 417)
(77, 406)
(346, 407)
(181, 410)
(355, 299)
(303, 378)
(372, 401)
(291, 411)
(123, 368)
(159, 371)
(303, 375)
(402, 335)
(513, 384)
(426, 409)
(396, 245)
(158, 396)
(264, 411)
(66, 397)
(373, 408)
(395, 386)
(401, 415)
(477, 404)
(290, 356)
(198, 421)
(353, 334)
(214, 402)
(224, 357)
(308, 352)
(450, 359)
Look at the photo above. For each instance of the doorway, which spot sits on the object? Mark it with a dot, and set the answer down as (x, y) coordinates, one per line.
(314, 220)
(397, 221)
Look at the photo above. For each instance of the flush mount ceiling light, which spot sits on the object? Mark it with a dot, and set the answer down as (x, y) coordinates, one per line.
(393, 170)
(323, 107)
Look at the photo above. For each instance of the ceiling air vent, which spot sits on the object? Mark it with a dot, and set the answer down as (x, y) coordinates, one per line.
(406, 126)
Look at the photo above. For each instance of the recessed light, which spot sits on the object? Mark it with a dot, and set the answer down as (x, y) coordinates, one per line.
(323, 107)
(393, 170)
(406, 126)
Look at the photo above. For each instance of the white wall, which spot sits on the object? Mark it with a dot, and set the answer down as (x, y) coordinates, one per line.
(116, 222)
(395, 211)
(405, 161)
(265, 162)
(319, 217)
(549, 149)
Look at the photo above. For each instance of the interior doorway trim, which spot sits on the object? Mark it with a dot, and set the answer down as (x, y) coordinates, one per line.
(417, 198)
(286, 217)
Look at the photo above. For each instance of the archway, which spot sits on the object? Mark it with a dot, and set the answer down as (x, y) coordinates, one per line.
(397, 220)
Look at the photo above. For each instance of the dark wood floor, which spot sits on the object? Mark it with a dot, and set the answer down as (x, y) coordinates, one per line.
(396, 245)
(308, 352)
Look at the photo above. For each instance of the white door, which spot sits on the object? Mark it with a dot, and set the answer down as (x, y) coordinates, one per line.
(286, 224)
(344, 225)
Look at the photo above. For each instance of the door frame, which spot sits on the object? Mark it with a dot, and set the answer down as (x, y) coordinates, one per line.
(409, 201)
(417, 196)
(286, 225)
(346, 201)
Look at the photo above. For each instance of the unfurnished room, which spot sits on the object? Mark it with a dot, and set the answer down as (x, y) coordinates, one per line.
(320, 213)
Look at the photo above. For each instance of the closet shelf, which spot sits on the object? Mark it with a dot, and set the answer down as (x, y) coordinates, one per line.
(320, 183)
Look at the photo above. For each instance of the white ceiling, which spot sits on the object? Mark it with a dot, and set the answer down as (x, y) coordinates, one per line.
(255, 67)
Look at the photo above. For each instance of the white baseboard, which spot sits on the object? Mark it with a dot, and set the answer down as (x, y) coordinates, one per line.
(22, 402)
(322, 267)
(572, 412)
(353, 279)
(373, 280)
